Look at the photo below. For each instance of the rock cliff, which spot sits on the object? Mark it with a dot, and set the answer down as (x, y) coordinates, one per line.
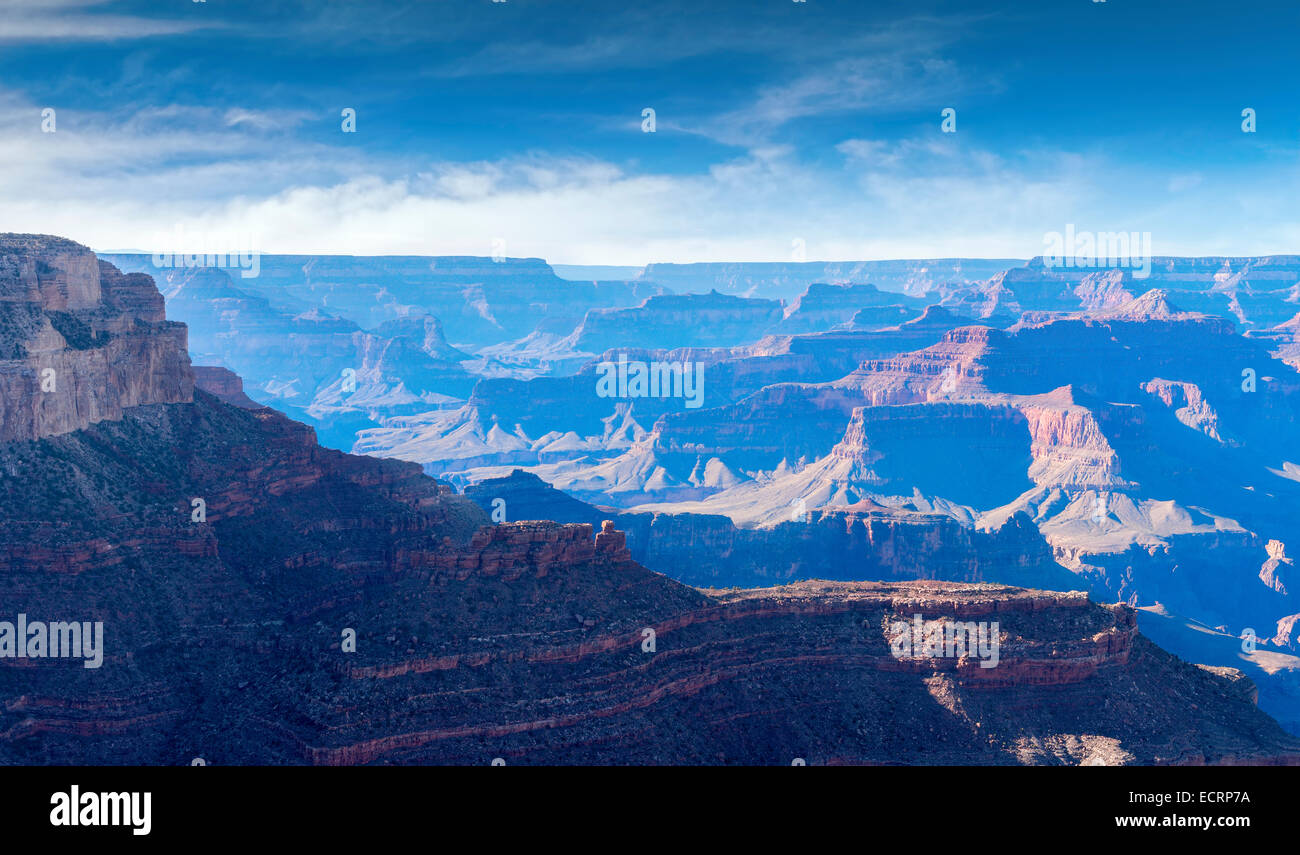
(79, 341)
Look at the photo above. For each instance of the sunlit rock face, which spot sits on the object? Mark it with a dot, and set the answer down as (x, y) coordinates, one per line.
(81, 342)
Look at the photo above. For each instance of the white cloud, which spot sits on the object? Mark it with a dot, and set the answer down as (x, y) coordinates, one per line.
(68, 20)
(266, 119)
(112, 181)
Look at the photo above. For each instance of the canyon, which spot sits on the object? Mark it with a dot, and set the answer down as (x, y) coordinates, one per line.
(326, 608)
(1137, 433)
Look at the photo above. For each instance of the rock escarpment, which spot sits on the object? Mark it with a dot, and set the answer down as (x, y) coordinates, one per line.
(79, 341)
(679, 320)
(479, 300)
(824, 306)
(807, 671)
(1257, 292)
(787, 280)
(862, 541)
(225, 385)
(320, 367)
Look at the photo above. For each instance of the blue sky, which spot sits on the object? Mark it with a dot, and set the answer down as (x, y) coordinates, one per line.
(520, 123)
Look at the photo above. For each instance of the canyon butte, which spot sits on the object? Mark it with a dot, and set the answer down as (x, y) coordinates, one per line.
(229, 556)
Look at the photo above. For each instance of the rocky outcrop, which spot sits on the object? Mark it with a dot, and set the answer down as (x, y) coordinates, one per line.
(862, 541)
(1068, 444)
(225, 385)
(427, 334)
(823, 306)
(1283, 340)
(1278, 571)
(1288, 632)
(679, 320)
(990, 302)
(80, 341)
(540, 548)
(1188, 403)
